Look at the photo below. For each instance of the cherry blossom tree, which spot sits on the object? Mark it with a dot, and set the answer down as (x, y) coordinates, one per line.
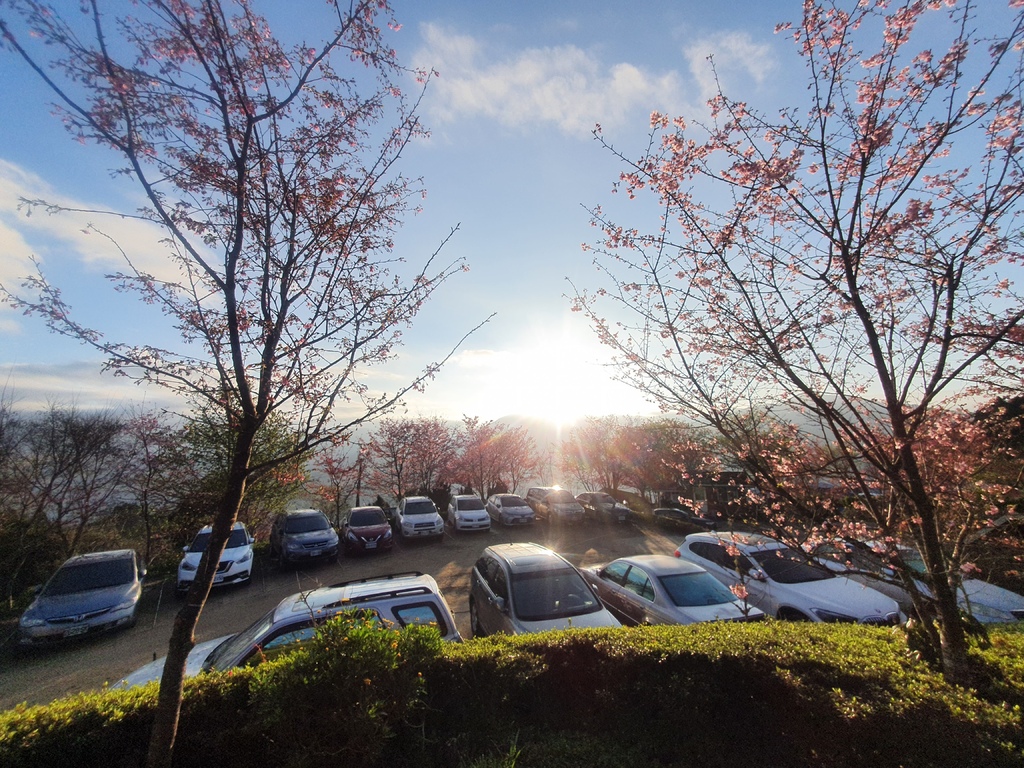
(411, 455)
(844, 267)
(271, 171)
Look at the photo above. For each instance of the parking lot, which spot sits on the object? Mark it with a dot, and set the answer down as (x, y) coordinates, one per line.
(41, 676)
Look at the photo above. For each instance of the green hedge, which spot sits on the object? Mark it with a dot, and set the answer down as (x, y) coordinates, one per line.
(769, 693)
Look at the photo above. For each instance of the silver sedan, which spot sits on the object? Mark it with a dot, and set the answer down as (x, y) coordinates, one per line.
(658, 589)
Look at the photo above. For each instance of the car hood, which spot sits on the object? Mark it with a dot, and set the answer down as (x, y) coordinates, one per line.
(720, 612)
(57, 606)
(600, 618)
(369, 531)
(841, 595)
(229, 556)
(310, 536)
(155, 669)
(980, 594)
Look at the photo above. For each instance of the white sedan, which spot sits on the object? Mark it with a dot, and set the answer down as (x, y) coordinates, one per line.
(783, 583)
(658, 589)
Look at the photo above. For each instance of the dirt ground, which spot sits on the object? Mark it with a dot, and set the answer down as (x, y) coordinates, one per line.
(39, 676)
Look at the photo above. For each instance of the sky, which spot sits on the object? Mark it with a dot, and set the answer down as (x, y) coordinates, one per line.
(511, 161)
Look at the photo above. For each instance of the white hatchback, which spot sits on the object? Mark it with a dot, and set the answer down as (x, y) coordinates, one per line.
(468, 513)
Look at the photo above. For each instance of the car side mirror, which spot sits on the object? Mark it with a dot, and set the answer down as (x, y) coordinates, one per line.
(142, 573)
(499, 603)
(757, 574)
(185, 548)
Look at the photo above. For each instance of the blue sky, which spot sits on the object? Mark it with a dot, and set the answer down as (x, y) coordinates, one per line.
(511, 161)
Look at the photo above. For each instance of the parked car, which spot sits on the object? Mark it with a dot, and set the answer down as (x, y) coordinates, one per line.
(467, 512)
(509, 509)
(783, 582)
(398, 599)
(683, 518)
(367, 529)
(988, 603)
(602, 507)
(554, 505)
(303, 535)
(524, 587)
(417, 517)
(534, 496)
(658, 589)
(235, 566)
(87, 595)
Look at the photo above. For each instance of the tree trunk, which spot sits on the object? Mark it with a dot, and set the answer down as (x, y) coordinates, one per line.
(168, 710)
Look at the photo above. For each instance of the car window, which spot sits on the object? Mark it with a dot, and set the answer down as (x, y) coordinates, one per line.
(95, 575)
(425, 507)
(560, 497)
(512, 501)
(493, 575)
(424, 614)
(552, 594)
(237, 538)
(638, 582)
(469, 504)
(719, 555)
(787, 566)
(615, 572)
(690, 589)
(279, 644)
(306, 523)
(366, 517)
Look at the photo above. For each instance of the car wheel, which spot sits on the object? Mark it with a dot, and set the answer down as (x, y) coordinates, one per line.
(474, 621)
(792, 614)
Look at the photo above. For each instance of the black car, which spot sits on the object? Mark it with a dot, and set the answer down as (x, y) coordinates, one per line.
(683, 518)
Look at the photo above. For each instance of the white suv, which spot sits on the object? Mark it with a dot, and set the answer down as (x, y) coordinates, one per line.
(418, 517)
(235, 564)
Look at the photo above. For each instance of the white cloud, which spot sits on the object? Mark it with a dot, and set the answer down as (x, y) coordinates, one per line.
(49, 237)
(736, 55)
(563, 86)
(32, 387)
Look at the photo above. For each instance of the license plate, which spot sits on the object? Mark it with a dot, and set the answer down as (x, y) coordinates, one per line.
(315, 553)
(218, 578)
(371, 545)
(76, 631)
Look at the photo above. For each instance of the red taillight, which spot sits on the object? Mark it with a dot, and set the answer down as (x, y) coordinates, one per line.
(676, 553)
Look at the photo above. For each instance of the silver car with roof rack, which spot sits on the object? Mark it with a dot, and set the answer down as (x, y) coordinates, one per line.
(397, 599)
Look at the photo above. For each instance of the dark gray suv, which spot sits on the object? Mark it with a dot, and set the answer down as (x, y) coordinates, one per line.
(303, 535)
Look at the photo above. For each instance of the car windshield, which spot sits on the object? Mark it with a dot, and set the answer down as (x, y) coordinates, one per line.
(223, 656)
(789, 567)
(96, 575)
(552, 594)
(367, 517)
(690, 589)
(238, 538)
(470, 504)
(305, 523)
(602, 498)
(560, 497)
(419, 508)
(512, 501)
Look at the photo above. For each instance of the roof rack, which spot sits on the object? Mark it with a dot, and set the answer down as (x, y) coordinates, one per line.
(399, 575)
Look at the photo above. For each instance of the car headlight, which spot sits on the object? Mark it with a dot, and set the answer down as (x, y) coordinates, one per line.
(351, 536)
(387, 534)
(245, 558)
(832, 616)
(187, 566)
(124, 605)
(293, 545)
(31, 621)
